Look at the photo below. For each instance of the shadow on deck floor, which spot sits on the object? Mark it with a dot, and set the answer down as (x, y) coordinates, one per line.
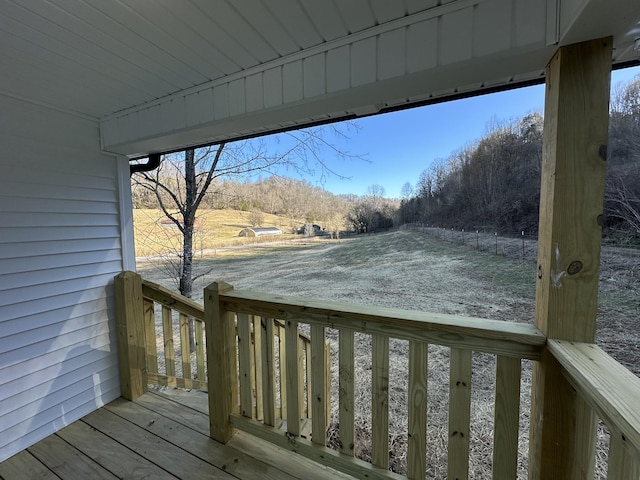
(161, 435)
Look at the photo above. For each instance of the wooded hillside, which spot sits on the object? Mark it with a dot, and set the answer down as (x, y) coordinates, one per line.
(494, 184)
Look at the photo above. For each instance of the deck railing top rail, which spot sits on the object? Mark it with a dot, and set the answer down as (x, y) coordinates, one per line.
(611, 390)
(493, 336)
(168, 298)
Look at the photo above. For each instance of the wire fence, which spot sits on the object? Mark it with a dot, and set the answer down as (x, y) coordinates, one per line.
(523, 246)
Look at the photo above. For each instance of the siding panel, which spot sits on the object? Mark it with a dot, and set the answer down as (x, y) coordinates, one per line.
(60, 246)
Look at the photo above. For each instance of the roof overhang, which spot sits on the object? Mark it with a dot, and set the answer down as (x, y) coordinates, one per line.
(166, 75)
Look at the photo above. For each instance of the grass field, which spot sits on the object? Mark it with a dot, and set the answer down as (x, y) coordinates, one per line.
(417, 271)
(214, 229)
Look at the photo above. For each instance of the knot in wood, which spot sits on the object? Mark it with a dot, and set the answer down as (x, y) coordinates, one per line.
(574, 267)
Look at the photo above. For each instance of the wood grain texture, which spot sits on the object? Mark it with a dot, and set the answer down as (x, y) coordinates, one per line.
(257, 359)
(268, 372)
(152, 447)
(221, 362)
(200, 363)
(596, 376)
(150, 336)
(292, 378)
(571, 205)
(506, 418)
(244, 365)
(25, 465)
(459, 414)
(164, 296)
(380, 401)
(318, 453)
(185, 346)
(318, 386)
(417, 426)
(623, 465)
(109, 454)
(346, 369)
(507, 338)
(167, 337)
(131, 335)
(67, 462)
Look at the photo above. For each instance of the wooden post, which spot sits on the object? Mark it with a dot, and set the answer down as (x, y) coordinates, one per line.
(571, 205)
(221, 362)
(131, 338)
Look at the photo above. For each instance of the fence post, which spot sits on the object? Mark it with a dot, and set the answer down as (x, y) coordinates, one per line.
(221, 362)
(477, 240)
(496, 235)
(131, 339)
(463, 236)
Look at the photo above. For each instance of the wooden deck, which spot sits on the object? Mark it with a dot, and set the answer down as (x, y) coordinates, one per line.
(162, 435)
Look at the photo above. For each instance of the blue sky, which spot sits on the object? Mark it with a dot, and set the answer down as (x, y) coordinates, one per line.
(398, 146)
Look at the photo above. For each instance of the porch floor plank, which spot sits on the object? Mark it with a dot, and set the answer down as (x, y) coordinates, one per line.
(25, 465)
(289, 465)
(67, 462)
(164, 435)
(115, 457)
(154, 448)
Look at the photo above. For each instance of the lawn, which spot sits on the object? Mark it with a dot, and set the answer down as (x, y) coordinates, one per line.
(418, 271)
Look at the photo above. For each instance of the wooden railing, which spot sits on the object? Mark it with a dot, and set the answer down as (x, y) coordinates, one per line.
(273, 381)
(172, 328)
(607, 390)
(510, 342)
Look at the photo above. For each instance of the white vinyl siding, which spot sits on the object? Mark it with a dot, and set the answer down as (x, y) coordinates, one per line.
(60, 247)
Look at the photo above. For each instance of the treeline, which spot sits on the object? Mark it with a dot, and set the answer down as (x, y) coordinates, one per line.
(297, 200)
(495, 183)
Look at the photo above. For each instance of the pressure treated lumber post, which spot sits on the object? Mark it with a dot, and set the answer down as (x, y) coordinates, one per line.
(571, 206)
(131, 338)
(221, 362)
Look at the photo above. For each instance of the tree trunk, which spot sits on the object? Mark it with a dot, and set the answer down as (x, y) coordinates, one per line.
(189, 219)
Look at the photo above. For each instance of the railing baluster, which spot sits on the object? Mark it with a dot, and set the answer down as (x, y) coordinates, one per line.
(346, 389)
(244, 365)
(167, 332)
(318, 387)
(585, 434)
(185, 347)
(622, 466)
(301, 377)
(417, 448)
(257, 370)
(282, 362)
(507, 417)
(459, 413)
(308, 381)
(380, 401)
(268, 374)
(291, 378)
(200, 352)
(150, 336)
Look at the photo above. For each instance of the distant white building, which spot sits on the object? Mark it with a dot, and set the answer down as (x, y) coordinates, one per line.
(259, 231)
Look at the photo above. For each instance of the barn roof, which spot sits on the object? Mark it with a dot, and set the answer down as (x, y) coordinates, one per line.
(261, 231)
(164, 75)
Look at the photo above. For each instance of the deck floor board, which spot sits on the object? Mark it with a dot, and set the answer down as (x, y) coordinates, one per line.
(163, 435)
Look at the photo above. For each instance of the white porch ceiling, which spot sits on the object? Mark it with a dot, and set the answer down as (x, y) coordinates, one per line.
(166, 74)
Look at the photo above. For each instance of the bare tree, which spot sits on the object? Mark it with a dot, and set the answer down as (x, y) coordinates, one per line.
(624, 203)
(183, 179)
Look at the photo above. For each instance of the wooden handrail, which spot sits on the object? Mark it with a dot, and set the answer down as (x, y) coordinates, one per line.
(612, 392)
(168, 298)
(511, 342)
(518, 340)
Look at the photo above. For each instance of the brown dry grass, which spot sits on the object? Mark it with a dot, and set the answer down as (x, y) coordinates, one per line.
(214, 229)
(412, 270)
